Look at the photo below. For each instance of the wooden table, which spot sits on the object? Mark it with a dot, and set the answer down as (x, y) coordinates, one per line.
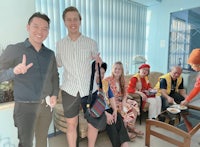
(186, 132)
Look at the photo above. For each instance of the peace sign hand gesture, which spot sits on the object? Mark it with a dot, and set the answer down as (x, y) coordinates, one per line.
(22, 67)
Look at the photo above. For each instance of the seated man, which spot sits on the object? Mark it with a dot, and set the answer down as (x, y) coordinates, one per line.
(170, 87)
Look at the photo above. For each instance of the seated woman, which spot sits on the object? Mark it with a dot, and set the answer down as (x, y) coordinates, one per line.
(126, 107)
(139, 84)
(115, 127)
(194, 61)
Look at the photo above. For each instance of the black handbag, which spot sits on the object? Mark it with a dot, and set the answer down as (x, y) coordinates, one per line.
(96, 101)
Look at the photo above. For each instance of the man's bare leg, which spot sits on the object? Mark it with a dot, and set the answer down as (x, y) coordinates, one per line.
(71, 131)
(92, 135)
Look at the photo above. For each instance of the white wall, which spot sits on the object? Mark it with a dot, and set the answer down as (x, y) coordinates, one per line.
(14, 16)
(8, 133)
(157, 54)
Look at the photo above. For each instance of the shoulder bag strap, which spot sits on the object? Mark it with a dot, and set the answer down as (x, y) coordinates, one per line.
(92, 81)
(91, 84)
(100, 80)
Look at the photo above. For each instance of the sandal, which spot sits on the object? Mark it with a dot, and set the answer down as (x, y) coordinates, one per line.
(131, 136)
(137, 132)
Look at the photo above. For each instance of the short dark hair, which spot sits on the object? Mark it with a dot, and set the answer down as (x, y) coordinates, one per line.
(39, 15)
(104, 66)
(71, 9)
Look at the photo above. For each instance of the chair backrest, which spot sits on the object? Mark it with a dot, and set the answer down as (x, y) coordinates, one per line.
(127, 79)
(153, 78)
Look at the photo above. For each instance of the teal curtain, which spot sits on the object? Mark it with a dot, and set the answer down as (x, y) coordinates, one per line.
(118, 26)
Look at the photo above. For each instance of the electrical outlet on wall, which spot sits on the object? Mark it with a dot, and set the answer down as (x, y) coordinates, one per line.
(162, 43)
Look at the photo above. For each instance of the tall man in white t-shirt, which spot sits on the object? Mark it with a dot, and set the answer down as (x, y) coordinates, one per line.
(75, 53)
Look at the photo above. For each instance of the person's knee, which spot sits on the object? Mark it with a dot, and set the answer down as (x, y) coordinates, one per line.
(72, 123)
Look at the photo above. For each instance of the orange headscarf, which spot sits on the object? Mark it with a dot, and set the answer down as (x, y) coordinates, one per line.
(194, 57)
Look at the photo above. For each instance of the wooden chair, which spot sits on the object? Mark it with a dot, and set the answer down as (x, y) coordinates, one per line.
(186, 136)
(150, 131)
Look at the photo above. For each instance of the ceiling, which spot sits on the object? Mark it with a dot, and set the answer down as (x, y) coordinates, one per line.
(148, 2)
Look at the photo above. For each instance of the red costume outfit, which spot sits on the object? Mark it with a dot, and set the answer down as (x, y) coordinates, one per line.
(139, 83)
(194, 61)
(195, 90)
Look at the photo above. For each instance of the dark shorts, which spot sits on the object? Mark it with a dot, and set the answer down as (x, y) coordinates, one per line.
(71, 104)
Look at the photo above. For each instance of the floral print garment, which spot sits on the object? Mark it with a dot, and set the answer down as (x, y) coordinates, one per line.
(130, 110)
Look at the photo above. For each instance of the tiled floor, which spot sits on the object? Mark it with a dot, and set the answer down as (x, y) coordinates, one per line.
(103, 140)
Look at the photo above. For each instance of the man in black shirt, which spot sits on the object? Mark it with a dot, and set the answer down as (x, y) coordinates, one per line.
(170, 87)
(33, 69)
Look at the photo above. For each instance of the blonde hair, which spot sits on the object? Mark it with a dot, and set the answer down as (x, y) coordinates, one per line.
(121, 78)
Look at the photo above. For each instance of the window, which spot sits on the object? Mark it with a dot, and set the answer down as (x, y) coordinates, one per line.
(179, 43)
(118, 26)
(184, 36)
